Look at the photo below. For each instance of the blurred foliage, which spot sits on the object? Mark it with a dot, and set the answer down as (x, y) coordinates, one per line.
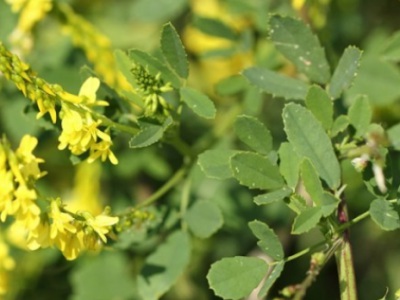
(214, 56)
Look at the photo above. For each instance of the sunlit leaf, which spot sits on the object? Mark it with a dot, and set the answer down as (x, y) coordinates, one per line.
(384, 214)
(276, 84)
(309, 139)
(268, 241)
(235, 277)
(198, 102)
(360, 114)
(272, 197)
(319, 103)
(289, 164)
(255, 171)
(345, 71)
(306, 220)
(272, 277)
(294, 39)
(149, 133)
(253, 133)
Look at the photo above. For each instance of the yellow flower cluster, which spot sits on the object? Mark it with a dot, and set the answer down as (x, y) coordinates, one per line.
(18, 172)
(56, 226)
(31, 11)
(71, 233)
(96, 46)
(214, 69)
(80, 131)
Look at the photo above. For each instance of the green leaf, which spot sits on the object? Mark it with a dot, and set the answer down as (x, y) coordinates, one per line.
(124, 65)
(345, 71)
(163, 267)
(394, 136)
(294, 39)
(311, 181)
(204, 218)
(377, 79)
(360, 115)
(309, 140)
(339, 125)
(198, 102)
(272, 197)
(214, 27)
(384, 214)
(255, 171)
(319, 103)
(391, 51)
(154, 66)
(272, 277)
(297, 203)
(106, 276)
(276, 84)
(329, 203)
(216, 163)
(149, 133)
(289, 164)
(253, 133)
(173, 50)
(268, 241)
(231, 85)
(306, 220)
(236, 277)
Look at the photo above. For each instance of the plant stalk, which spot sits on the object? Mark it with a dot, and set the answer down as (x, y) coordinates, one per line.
(344, 260)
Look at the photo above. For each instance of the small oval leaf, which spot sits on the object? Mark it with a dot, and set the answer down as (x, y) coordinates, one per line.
(173, 50)
(198, 102)
(255, 171)
(384, 215)
(236, 277)
(253, 133)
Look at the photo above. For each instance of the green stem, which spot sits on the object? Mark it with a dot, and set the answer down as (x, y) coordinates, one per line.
(305, 251)
(185, 201)
(164, 189)
(344, 259)
(347, 279)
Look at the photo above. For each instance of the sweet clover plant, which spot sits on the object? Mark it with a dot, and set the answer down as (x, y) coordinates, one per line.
(239, 121)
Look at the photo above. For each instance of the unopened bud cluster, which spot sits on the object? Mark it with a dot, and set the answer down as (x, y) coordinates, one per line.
(151, 87)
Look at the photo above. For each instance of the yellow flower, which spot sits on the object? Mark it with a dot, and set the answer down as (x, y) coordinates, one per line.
(88, 92)
(27, 210)
(101, 224)
(79, 131)
(102, 150)
(31, 12)
(60, 221)
(28, 163)
(7, 206)
(71, 244)
(39, 237)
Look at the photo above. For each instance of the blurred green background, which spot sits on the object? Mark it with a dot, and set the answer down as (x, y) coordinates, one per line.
(45, 274)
